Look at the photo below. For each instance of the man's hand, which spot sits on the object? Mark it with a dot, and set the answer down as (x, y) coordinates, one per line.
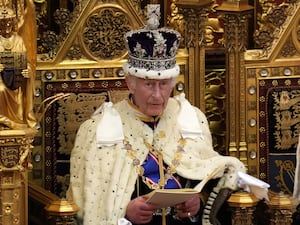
(1, 67)
(189, 208)
(139, 211)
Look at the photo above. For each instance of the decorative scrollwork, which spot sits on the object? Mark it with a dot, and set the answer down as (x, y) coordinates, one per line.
(103, 33)
(215, 107)
(74, 52)
(277, 15)
(195, 26)
(289, 49)
(176, 20)
(49, 41)
(232, 37)
(62, 17)
(230, 34)
(264, 37)
(272, 23)
(191, 35)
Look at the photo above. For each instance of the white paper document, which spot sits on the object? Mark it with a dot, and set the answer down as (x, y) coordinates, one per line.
(170, 197)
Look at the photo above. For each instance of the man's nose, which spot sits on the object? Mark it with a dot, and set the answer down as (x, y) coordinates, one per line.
(156, 90)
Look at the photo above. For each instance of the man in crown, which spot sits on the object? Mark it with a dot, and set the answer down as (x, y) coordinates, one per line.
(146, 142)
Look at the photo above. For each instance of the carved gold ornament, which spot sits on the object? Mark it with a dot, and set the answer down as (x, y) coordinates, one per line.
(103, 33)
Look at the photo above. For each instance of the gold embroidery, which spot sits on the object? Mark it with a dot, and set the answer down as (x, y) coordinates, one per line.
(161, 134)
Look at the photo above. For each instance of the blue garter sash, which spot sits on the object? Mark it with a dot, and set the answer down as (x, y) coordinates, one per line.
(151, 173)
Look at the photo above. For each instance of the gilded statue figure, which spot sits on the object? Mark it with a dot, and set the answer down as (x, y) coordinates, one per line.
(16, 82)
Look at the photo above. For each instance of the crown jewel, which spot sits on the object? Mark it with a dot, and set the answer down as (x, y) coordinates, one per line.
(152, 50)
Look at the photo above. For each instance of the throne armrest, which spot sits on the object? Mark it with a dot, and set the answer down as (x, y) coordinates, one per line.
(47, 208)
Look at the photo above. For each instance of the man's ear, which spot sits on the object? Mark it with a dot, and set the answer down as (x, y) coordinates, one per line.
(130, 84)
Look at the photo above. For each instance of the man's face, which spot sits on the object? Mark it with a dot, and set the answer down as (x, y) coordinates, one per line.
(151, 96)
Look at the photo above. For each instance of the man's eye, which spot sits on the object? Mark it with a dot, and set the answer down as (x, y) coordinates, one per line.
(165, 83)
(149, 84)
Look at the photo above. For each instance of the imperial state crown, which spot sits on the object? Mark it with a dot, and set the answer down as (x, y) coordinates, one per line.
(152, 50)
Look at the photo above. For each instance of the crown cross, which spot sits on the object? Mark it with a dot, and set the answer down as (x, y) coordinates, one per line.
(153, 16)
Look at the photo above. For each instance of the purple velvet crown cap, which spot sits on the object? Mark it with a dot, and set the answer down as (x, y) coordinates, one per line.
(152, 50)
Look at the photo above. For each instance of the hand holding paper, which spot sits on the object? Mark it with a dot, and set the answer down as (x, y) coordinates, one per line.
(169, 197)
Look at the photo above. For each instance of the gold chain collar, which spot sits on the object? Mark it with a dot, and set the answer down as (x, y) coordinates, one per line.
(171, 170)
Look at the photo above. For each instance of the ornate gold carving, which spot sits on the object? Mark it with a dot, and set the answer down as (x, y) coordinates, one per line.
(288, 49)
(214, 27)
(137, 4)
(236, 41)
(15, 150)
(15, 147)
(176, 20)
(196, 16)
(243, 205)
(103, 33)
(195, 26)
(108, 19)
(277, 15)
(215, 107)
(17, 75)
(281, 209)
(74, 52)
(9, 156)
(272, 22)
